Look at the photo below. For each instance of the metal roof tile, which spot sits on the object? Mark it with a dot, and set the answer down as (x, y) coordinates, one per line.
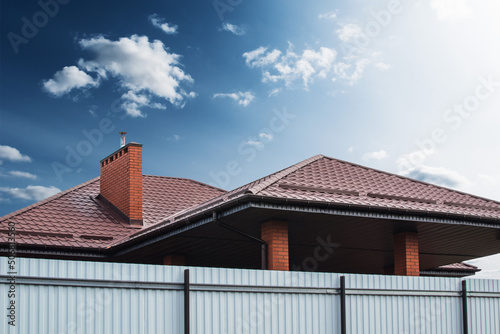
(73, 212)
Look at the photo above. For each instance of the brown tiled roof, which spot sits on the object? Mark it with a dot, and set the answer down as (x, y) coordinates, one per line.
(73, 218)
(330, 180)
(165, 196)
(458, 266)
(454, 270)
(324, 179)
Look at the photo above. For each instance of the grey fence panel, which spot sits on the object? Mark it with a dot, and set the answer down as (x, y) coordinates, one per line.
(57, 306)
(55, 296)
(484, 306)
(396, 304)
(255, 310)
(264, 313)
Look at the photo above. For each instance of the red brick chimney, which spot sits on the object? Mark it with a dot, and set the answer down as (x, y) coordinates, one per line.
(121, 182)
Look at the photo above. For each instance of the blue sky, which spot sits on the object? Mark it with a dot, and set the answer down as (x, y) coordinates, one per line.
(228, 91)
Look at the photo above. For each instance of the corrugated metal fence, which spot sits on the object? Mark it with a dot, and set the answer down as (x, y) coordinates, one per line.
(56, 297)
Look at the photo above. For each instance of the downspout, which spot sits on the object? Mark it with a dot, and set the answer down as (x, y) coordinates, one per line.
(263, 250)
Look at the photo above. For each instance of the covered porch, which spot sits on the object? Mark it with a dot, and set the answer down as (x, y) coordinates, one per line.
(316, 237)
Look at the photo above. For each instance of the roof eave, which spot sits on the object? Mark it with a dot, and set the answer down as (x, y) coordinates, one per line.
(186, 221)
(68, 251)
(194, 217)
(380, 209)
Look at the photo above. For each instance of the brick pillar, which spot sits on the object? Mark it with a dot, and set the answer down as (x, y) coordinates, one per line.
(275, 234)
(121, 181)
(174, 260)
(406, 258)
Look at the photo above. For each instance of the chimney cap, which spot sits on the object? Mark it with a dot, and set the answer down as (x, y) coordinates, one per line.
(122, 138)
(120, 149)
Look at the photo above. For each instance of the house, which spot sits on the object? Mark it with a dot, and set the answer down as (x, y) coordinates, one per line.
(321, 214)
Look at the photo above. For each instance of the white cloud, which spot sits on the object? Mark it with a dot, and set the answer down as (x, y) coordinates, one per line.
(12, 154)
(378, 155)
(67, 79)
(242, 98)
(145, 70)
(451, 9)
(274, 92)
(25, 175)
(441, 176)
(160, 23)
(382, 66)
(351, 73)
(174, 137)
(33, 193)
(291, 66)
(329, 15)
(266, 136)
(93, 110)
(413, 165)
(357, 54)
(260, 142)
(238, 31)
(351, 149)
(257, 144)
(256, 58)
(133, 103)
(413, 159)
(349, 32)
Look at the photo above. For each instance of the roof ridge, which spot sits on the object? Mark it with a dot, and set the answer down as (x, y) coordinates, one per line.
(414, 180)
(48, 199)
(273, 178)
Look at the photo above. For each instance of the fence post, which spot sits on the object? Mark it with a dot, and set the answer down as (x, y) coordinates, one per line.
(465, 319)
(186, 301)
(343, 319)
